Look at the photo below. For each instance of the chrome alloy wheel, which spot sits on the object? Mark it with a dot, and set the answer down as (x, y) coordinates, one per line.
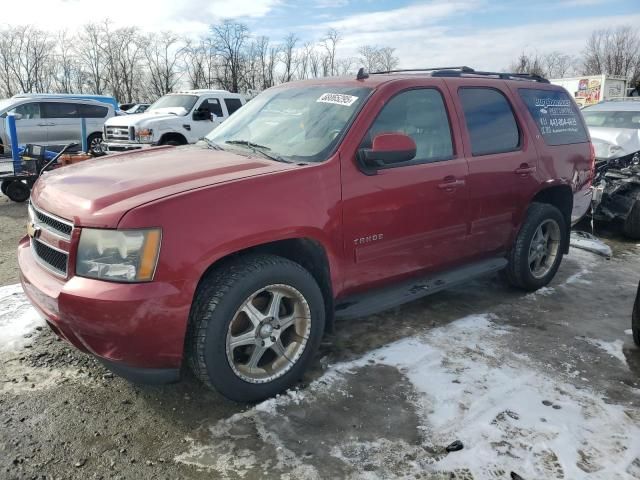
(544, 248)
(268, 333)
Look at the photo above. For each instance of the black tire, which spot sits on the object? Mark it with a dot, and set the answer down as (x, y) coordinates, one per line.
(631, 227)
(218, 298)
(518, 272)
(94, 142)
(18, 191)
(635, 319)
(174, 143)
(4, 185)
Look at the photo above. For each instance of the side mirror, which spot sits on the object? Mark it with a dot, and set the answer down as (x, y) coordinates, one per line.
(200, 114)
(387, 149)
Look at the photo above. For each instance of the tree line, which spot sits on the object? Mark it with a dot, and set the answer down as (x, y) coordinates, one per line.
(135, 66)
(613, 51)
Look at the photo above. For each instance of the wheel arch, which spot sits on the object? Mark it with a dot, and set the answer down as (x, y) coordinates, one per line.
(561, 197)
(178, 137)
(307, 252)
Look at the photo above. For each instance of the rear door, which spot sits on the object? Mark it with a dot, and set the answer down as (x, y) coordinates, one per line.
(31, 127)
(412, 216)
(502, 162)
(95, 116)
(63, 119)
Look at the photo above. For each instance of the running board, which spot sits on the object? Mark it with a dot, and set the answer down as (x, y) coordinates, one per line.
(384, 298)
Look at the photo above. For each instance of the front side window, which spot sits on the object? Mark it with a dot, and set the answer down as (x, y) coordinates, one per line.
(60, 110)
(292, 123)
(555, 114)
(29, 111)
(490, 121)
(420, 114)
(175, 104)
(213, 106)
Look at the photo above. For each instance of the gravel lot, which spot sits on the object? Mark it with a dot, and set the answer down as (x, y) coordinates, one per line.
(545, 385)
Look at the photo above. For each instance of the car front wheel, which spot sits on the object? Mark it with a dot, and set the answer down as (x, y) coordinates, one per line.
(255, 326)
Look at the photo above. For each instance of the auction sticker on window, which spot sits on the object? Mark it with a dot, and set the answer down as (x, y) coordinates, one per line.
(337, 98)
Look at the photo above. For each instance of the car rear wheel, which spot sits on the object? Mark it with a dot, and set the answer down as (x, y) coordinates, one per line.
(538, 249)
(255, 326)
(18, 191)
(94, 144)
(632, 222)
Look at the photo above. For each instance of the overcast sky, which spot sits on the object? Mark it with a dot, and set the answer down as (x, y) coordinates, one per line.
(486, 34)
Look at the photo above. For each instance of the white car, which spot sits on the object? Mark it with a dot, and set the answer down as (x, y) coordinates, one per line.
(54, 120)
(175, 119)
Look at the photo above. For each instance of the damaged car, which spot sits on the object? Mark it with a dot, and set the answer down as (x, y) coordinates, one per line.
(615, 133)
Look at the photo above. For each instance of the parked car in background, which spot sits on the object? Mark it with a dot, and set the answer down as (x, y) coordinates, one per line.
(175, 119)
(55, 120)
(138, 108)
(72, 96)
(320, 198)
(615, 132)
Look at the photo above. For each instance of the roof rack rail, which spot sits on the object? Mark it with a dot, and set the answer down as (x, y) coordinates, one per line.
(461, 69)
(464, 70)
(500, 75)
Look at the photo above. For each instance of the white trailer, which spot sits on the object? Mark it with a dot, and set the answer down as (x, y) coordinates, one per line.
(591, 89)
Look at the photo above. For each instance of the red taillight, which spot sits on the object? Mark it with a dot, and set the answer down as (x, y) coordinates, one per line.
(593, 161)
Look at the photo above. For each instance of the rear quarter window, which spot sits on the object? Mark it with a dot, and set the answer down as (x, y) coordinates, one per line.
(556, 116)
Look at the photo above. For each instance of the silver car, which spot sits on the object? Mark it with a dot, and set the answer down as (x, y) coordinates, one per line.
(54, 121)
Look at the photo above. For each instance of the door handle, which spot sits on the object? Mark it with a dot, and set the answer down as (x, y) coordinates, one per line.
(524, 170)
(451, 183)
(43, 125)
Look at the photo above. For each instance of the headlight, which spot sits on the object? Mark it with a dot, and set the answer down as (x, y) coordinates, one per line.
(118, 255)
(144, 135)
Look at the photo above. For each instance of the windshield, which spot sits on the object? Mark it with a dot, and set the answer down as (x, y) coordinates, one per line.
(294, 124)
(624, 119)
(182, 103)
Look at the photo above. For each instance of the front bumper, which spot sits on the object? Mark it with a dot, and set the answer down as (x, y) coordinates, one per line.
(125, 147)
(137, 329)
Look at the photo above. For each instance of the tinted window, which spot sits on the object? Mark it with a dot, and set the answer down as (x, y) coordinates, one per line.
(490, 121)
(60, 110)
(555, 114)
(421, 114)
(213, 104)
(93, 111)
(232, 104)
(29, 111)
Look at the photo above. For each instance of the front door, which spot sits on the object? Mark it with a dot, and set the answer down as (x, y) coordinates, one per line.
(63, 119)
(31, 127)
(412, 216)
(201, 128)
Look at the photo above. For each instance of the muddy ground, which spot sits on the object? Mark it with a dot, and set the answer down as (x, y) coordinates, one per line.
(501, 363)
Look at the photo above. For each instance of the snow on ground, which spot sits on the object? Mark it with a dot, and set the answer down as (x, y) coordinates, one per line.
(17, 317)
(612, 348)
(510, 414)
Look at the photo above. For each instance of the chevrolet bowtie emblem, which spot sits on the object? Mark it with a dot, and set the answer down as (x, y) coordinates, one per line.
(32, 230)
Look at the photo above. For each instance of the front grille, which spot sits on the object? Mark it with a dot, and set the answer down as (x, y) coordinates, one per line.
(56, 225)
(51, 258)
(118, 134)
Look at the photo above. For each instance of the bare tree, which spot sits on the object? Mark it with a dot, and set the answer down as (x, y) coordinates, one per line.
(557, 64)
(378, 58)
(229, 39)
(163, 54)
(330, 44)
(613, 52)
(288, 56)
(528, 63)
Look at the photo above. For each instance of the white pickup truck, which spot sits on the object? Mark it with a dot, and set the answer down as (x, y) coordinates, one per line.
(175, 119)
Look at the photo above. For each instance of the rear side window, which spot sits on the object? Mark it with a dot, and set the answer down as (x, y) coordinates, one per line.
(422, 115)
(555, 115)
(490, 121)
(93, 111)
(60, 110)
(232, 104)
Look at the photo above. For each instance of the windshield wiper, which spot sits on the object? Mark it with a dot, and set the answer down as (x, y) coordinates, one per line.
(212, 145)
(261, 149)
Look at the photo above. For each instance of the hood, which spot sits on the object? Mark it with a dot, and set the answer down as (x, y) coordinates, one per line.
(146, 118)
(98, 192)
(611, 143)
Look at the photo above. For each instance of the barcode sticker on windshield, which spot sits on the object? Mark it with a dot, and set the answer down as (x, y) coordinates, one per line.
(337, 98)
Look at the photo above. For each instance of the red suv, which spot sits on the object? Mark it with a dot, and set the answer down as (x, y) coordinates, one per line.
(320, 198)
